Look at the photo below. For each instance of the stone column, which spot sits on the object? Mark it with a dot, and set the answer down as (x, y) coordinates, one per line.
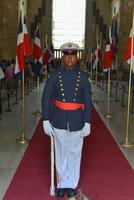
(9, 28)
(1, 30)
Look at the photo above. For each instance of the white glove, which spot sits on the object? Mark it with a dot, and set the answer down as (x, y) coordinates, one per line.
(86, 130)
(48, 128)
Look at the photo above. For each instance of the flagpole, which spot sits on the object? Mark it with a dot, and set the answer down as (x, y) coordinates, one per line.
(108, 103)
(91, 65)
(37, 112)
(96, 80)
(46, 73)
(127, 144)
(96, 74)
(23, 139)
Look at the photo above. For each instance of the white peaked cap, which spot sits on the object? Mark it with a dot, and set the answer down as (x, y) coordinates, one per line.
(69, 46)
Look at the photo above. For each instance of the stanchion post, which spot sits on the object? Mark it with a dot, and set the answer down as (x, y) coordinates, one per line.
(108, 101)
(22, 139)
(128, 144)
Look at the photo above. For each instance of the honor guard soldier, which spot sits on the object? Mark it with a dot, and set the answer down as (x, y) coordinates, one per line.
(68, 88)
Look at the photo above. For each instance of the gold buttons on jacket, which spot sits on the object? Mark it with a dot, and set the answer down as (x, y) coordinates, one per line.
(61, 86)
(77, 86)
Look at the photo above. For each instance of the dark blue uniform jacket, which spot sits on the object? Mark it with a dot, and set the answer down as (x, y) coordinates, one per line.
(67, 85)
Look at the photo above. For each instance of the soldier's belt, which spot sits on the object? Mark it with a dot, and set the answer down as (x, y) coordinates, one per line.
(68, 105)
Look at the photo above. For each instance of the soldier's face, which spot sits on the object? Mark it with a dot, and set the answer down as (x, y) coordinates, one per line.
(70, 60)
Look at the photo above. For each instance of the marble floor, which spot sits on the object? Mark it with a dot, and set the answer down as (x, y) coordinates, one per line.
(12, 152)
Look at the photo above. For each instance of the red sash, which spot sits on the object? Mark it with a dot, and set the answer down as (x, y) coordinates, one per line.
(68, 106)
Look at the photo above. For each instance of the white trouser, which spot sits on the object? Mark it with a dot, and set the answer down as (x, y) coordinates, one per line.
(68, 150)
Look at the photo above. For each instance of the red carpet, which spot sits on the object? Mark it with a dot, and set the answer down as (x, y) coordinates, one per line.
(105, 173)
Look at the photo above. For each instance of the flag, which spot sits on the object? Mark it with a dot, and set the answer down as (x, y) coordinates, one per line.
(37, 52)
(129, 49)
(20, 61)
(96, 59)
(27, 46)
(92, 56)
(51, 57)
(51, 51)
(114, 37)
(97, 55)
(46, 55)
(99, 52)
(108, 56)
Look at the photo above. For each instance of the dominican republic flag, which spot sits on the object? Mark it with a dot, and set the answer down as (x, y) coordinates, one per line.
(20, 57)
(97, 56)
(27, 46)
(130, 49)
(46, 55)
(108, 56)
(114, 36)
(92, 56)
(51, 51)
(37, 52)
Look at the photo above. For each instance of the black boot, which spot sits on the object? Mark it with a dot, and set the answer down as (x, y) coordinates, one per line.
(60, 192)
(71, 192)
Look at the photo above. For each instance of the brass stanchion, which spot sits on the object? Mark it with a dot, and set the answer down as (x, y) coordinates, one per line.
(128, 144)
(109, 115)
(23, 139)
(37, 112)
